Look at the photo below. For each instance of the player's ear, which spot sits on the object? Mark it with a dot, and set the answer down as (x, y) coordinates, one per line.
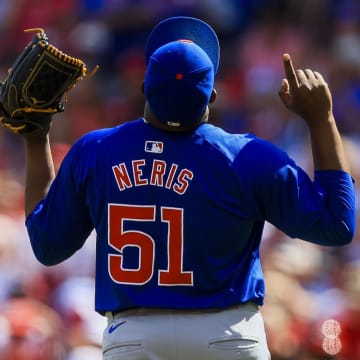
(213, 96)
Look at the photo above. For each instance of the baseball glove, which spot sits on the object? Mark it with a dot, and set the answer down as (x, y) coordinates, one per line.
(37, 85)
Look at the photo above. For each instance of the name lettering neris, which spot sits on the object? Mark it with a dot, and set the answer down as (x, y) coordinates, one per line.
(161, 174)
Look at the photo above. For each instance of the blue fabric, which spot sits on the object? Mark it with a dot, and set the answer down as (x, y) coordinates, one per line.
(179, 217)
(184, 27)
(178, 83)
(182, 57)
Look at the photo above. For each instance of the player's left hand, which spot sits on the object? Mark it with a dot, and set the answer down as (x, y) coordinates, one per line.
(37, 85)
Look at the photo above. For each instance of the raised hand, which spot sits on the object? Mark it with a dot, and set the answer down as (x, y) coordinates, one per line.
(306, 93)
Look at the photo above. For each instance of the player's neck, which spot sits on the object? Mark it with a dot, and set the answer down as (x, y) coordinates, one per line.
(150, 118)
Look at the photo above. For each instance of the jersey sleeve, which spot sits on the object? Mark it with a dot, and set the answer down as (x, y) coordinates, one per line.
(319, 210)
(61, 223)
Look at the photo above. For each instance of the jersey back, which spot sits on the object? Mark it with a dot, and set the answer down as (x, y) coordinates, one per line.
(176, 225)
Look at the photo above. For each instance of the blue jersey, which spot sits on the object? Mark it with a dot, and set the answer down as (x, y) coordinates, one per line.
(179, 216)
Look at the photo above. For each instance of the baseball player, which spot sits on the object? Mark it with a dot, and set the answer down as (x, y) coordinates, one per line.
(179, 205)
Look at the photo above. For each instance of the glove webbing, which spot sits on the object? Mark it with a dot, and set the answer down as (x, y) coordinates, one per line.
(63, 57)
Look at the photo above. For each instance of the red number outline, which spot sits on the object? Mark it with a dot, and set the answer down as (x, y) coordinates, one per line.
(119, 239)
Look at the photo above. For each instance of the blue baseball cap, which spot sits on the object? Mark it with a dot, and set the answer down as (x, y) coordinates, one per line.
(182, 57)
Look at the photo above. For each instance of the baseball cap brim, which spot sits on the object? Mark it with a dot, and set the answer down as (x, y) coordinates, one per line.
(184, 28)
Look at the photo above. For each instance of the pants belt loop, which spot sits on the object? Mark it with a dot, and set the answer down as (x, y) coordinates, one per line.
(109, 315)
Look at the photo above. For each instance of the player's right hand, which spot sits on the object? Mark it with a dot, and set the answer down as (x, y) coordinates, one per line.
(306, 93)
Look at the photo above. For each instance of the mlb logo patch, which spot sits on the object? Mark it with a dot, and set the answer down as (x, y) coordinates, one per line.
(154, 146)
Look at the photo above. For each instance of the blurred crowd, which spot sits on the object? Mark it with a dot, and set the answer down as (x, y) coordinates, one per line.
(312, 307)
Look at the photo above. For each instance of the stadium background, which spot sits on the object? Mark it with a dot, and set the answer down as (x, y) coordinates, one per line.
(312, 308)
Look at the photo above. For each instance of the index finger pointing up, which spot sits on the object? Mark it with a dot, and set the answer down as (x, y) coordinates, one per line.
(289, 71)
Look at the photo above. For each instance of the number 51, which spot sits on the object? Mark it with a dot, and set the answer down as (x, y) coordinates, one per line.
(119, 239)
